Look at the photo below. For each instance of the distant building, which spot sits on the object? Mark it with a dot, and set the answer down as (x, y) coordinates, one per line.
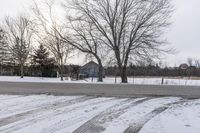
(183, 66)
(90, 69)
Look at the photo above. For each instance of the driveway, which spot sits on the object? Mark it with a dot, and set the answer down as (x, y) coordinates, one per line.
(92, 114)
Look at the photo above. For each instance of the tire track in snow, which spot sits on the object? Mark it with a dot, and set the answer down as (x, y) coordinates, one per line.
(9, 101)
(27, 104)
(137, 126)
(46, 107)
(16, 101)
(6, 97)
(34, 104)
(137, 113)
(96, 123)
(32, 120)
(66, 124)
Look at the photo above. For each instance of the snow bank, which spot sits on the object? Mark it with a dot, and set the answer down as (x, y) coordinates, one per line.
(108, 80)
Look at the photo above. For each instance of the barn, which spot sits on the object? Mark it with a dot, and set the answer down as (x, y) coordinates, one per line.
(90, 69)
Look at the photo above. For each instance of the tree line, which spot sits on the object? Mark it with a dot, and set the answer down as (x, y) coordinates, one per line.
(155, 70)
(116, 31)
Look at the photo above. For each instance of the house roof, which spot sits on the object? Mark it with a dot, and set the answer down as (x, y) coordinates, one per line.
(90, 63)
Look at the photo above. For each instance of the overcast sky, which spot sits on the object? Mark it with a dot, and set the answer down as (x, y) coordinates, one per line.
(183, 35)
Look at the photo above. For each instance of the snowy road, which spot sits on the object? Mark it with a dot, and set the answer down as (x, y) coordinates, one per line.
(88, 114)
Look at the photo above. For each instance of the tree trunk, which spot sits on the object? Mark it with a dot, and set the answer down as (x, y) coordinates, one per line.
(100, 73)
(100, 76)
(22, 70)
(162, 82)
(122, 69)
(42, 71)
(123, 74)
(61, 72)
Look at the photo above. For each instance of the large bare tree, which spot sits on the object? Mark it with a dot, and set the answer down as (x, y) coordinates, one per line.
(132, 29)
(85, 37)
(49, 29)
(5, 55)
(60, 49)
(20, 32)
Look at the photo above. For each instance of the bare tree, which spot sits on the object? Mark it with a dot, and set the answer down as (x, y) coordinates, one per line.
(197, 63)
(51, 28)
(190, 61)
(85, 37)
(20, 33)
(132, 29)
(5, 55)
(60, 50)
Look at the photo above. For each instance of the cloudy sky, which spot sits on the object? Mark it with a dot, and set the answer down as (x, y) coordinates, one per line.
(183, 35)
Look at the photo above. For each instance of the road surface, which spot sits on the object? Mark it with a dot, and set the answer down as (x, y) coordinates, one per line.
(122, 90)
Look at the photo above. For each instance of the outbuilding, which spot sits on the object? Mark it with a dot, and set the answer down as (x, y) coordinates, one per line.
(90, 69)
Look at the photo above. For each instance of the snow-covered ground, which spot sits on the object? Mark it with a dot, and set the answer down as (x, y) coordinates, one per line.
(107, 80)
(80, 114)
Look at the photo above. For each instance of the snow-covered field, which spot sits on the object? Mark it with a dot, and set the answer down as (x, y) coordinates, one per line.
(80, 114)
(107, 80)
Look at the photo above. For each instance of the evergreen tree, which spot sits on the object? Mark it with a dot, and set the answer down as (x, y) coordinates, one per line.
(42, 60)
